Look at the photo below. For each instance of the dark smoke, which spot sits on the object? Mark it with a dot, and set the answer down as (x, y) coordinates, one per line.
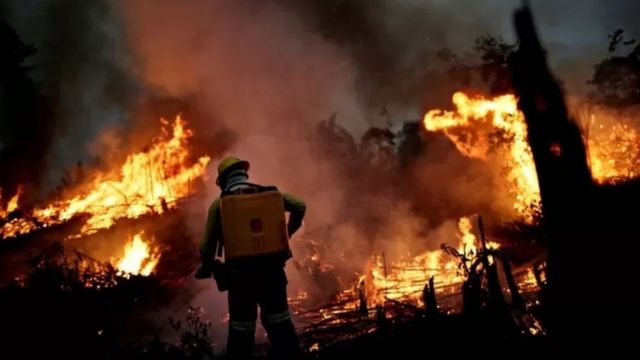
(394, 43)
(83, 67)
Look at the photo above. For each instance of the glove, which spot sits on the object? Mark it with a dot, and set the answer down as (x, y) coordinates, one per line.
(221, 275)
(203, 272)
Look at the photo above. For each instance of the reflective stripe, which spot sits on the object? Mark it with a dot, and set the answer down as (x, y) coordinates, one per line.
(243, 325)
(278, 317)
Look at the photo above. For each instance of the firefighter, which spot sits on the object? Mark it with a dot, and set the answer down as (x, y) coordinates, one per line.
(248, 221)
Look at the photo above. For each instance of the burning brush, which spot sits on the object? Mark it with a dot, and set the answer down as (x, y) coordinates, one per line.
(149, 182)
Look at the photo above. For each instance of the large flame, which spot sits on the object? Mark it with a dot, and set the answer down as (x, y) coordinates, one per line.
(139, 258)
(482, 127)
(150, 181)
(478, 126)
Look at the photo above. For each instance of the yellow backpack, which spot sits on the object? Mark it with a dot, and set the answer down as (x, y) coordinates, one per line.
(253, 223)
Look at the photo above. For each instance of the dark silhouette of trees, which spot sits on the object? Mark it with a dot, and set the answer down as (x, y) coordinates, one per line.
(616, 79)
(25, 115)
(491, 69)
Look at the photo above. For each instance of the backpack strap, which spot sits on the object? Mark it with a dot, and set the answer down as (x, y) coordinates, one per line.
(253, 188)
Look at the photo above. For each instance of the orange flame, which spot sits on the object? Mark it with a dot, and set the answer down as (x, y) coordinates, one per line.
(13, 203)
(151, 181)
(473, 125)
(139, 257)
(614, 147)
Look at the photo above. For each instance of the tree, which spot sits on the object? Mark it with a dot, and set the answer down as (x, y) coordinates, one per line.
(491, 70)
(616, 79)
(25, 119)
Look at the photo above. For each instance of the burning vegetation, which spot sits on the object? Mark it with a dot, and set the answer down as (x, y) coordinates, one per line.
(149, 182)
(117, 245)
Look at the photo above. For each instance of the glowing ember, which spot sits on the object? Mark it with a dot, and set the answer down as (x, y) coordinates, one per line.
(17, 227)
(477, 125)
(139, 258)
(149, 182)
(614, 151)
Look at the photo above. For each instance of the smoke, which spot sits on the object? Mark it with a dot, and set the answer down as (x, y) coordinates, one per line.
(268, 73)
(269, 76)
(394, 42)
(253, 69)
(261, 75)
(82, 66)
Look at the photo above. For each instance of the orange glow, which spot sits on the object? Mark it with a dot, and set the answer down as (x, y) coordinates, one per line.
(139, 257)
(149, 182)
(614, 150)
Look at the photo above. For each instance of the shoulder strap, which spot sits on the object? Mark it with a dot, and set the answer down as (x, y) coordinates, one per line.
(258, 188)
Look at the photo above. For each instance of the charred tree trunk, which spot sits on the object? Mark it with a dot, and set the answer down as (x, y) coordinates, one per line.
(472, 296)
(496, 298)
(538, 276)
(516, 299)
(362, 299)
(429, 298)
(577, 217)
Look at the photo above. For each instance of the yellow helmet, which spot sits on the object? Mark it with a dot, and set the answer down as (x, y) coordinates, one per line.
(230, 163)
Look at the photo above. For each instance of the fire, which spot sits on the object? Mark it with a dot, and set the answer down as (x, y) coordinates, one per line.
(475, 126)
(139, 257)
(149, 182)
(406, 280)
(614, 150)
(12, 205)
(481, 128)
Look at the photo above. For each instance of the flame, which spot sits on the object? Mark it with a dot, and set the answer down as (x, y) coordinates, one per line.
(480, 125)
(139, 257)
(406, 280)
(475, 126)
(150, 181)
(12, 205)
(467, 239)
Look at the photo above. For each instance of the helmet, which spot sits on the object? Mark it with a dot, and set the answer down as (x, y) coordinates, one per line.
(230, 163)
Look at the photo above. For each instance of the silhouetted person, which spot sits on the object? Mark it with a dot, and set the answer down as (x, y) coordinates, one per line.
(248, 220)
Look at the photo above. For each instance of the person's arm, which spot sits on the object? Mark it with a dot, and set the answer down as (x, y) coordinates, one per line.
(209, 242)
(296, 208)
